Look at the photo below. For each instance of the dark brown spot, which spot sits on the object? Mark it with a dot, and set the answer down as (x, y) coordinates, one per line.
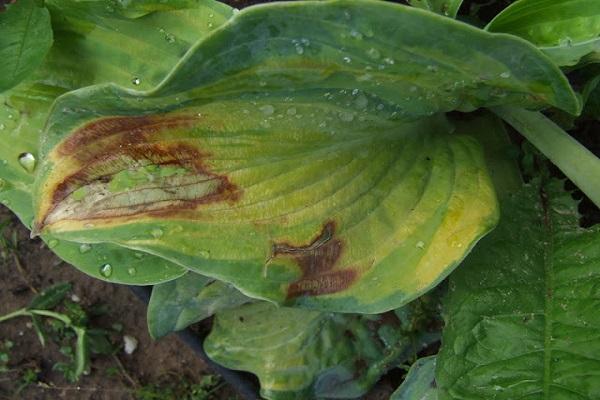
(317, 261)
(106, 147)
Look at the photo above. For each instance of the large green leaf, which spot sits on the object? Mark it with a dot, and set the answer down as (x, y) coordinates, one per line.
(566, 30)
(88, 49)
(179, 303)
(25, 38)
(448, 8)
(302, 354)
(419, 384)
(274, 160)
(522, 312)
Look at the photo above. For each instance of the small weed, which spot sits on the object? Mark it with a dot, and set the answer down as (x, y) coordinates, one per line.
(182, 390)
(65, 323)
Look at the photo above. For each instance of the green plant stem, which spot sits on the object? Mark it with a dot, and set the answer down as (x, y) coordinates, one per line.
(23, 312)
(574, 160)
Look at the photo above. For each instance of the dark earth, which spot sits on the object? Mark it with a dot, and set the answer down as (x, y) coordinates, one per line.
(164, 369)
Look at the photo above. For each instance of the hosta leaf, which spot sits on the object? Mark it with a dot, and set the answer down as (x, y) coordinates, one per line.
(302, 354)
(259, 212)
(566, 30)
(419, 384)
(25, 38)
(264, 162)
(82, 56)
(522, 320)
(448, 8)
(176, 304)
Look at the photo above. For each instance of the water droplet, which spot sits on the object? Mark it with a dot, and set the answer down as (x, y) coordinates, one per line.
(291, 111)
(420, 244)
(347, 116)
(505, 75)
(210, 25)
(2, 127)
(169, 37)
(432, 68)
(84, 248)
(204, 253)
(52, 243)
(374, 53)
(267, 109)
(136, 81)
(262, 83)
(106, 270)
(27, 161)
(156, 233)
(389, 61)
(138, 255)
(356, 34)
(567, 41)
(131, 271)
(347, 60)
(361, 101)
(380, 107)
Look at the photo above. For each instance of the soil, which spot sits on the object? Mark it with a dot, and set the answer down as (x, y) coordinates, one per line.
(151, 363)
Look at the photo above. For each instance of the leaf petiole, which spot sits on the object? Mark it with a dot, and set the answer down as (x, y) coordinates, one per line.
(574, 160)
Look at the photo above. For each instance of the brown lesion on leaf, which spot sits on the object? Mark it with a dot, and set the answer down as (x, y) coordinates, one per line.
(317, 262)
(106, 147)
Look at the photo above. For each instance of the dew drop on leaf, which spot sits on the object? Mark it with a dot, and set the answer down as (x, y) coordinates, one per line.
(52, 243)
(84, 248)
(373, 53)
(420, 244)
(131, 271)
(27, 161)
(267, 109)
(106, 270)
(505, 75)
(347, 60)
(136, 81)
(156, 233)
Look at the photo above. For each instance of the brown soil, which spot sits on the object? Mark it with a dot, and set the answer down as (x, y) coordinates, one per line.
(153, 362)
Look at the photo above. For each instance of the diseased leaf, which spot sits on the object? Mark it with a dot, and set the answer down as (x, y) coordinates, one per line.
(280, 165)
(302, 354)
(521, 315)
(25, 38)
(89, 48)
(449, 8)
(566, 30)
(419, 384)
(191, 298)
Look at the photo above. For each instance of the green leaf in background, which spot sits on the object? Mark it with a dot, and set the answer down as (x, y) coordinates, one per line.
(282, 160)
(301, 354)
(419, 384)
(577, 162)
(522, 312)
(88, 49)
(449, 8)
(191, 298)
(25, 38)
(566, 30)
(50, 297)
